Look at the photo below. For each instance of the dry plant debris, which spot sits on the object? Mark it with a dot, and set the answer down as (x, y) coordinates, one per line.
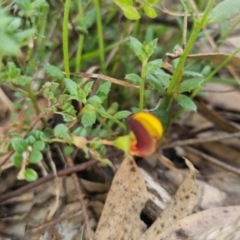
(208, 224)
(180, 206)
(120, 218)
(216, 58)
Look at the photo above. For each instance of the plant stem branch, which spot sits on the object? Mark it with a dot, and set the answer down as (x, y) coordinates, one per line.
(120, 124)
(81, 38)
(65, 37)
(142, 85)
(208, 78)
(49, 177)
(100, 35)
(172, 91)
(35, 103)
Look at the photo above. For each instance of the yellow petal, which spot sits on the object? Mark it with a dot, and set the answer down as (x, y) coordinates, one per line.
(147, 131)
(150, 123)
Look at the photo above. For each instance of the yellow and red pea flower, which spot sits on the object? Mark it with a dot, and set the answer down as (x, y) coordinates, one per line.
(145, 133)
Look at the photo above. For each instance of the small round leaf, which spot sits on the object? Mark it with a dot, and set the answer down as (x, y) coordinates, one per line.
(35, 156)
(19, 144)
(30, 175)
(17, 159)
(38, 146)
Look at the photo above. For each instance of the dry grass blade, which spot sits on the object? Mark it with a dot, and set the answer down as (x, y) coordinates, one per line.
(120, 218)
(214, 117)
(104, 77)
(216, 58)
(181, 205)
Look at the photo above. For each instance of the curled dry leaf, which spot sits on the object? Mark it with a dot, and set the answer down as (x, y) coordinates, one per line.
(216, 223)
(120, 218)
(181, 205)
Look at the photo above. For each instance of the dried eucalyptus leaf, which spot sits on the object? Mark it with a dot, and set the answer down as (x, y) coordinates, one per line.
(216, 223)
(181, 205)
(120, 218)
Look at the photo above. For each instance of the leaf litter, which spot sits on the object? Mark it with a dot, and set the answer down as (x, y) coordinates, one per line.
(180, 206)
(127, 196)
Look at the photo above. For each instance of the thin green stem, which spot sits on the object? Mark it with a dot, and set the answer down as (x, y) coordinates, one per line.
(100, 35)
(211, 75)
(65, 37)
(208, 78)
(33, 99)
(142, 85)
(172, 91)
(96, 53)
(81, 38)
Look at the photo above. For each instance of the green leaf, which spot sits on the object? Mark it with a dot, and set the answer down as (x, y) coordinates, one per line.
(61, 131)
(225, 10)
(81, 95)
(13, 71)
(163, 77)
(30, 175)
(149, 11)
(192, 74)
(153, 66)
(113, 108)
(71, 86)
(88, 119)
(103, 90)
(137, 48)
(106, 161)
(94, 144)
(150, 47)
(54, 72)
(35, 156)
(24, 35)
(89, 18)
(124, 2)
(19, 144)
(190, 84)
(80, 131)
(68, 150)
(94, 100)
(67, 117)
(68, 108)
(130, 12)
(42, 136)
(163, 114)
(128, 9)
(187, 7)
(8, 46)
(186, 102)
(14, 25)
(133, 78)
(123, 143)
(103, 149)
(17, 159)
(151, 2)
(23, 80)
(38, 146)
(30, 140)
(155, 83)
(122, 114)
(88, 87)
